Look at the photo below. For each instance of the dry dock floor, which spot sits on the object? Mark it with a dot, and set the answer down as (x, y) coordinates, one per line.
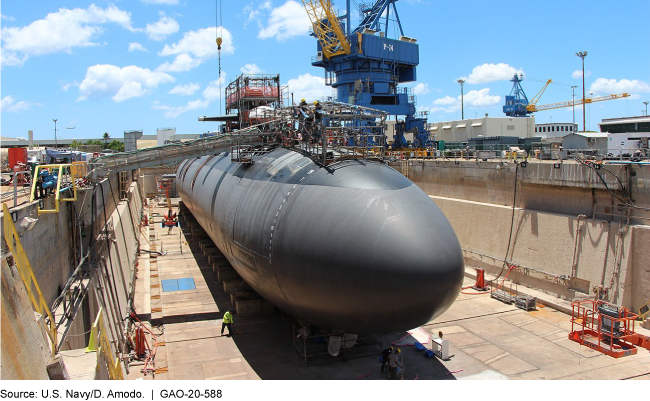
(489, 339)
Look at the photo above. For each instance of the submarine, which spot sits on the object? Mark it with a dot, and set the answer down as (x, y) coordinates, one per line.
(353, 246)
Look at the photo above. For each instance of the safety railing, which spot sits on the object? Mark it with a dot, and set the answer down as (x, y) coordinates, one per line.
(27, 274)
(99, 338)
(68, 172)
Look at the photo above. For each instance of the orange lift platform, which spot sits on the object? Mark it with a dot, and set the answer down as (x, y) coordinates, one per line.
(606, 327)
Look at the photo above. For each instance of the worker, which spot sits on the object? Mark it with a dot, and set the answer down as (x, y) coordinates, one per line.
(317, 121)
(384, 357)
(227, 322)
(393, 363)
(40, 192)
(303, 113)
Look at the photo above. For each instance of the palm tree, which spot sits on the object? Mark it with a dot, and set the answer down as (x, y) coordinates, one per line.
(106, 138)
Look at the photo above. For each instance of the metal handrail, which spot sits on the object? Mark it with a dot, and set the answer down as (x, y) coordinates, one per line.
(98, 336)
(74, 172)
(27, 274)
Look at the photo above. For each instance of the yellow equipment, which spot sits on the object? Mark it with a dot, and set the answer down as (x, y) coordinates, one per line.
(533, 108)
(327, 27)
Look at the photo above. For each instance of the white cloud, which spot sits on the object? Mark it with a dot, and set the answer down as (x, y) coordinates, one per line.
(134, 46)
(474, 99)
(167, 2)
(286, 21)
(7, 17)
(215, 88)
(59, 32)
(255, 14)
(8, 104)
(194, 48)
(175, 111)
(612, 86)
(577, 74)
(161, 29)
(481, 98)
(421, 89)
(309, 87)
(185, 90)
(251, 69)
(491, 72)
(120, 83)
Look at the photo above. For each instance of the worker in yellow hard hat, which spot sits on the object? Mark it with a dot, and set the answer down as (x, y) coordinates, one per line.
(393, 363)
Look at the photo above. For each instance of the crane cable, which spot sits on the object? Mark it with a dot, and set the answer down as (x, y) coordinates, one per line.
(218, 28)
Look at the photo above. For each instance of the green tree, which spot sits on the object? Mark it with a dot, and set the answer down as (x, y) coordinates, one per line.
(75, 144)
(106, 137)
(94, 142)
(116, 146)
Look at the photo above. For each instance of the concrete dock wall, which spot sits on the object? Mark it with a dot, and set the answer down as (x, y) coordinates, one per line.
(477, 199)
(54, 247)
(25, 352)
(565, 188)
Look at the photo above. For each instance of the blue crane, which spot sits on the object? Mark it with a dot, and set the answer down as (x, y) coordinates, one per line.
(366, 66)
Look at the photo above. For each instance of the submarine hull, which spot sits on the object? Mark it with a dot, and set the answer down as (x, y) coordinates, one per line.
(354, 247)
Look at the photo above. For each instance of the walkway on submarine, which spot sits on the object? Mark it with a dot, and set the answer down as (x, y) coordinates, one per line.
(489, 339)
(279, 126)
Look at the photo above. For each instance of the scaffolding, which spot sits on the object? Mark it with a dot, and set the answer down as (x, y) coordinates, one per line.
(606, 327)
(341, 131)
(254, 98)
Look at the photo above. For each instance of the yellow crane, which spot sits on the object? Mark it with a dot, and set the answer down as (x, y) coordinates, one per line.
(327, 27)
(517, 104)
(533, 108)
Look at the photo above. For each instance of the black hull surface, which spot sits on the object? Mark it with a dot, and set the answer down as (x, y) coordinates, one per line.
(354, 247)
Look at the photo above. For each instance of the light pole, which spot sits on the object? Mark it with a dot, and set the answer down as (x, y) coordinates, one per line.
(462, 100)
(573, 96)
(582, 55)
(646, 107)
(56, 142)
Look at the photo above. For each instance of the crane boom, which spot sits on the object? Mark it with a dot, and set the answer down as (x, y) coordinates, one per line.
(327, 27)
(536, 98)
(533, 108)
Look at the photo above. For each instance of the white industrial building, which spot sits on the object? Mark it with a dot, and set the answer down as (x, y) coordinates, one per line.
(462, 130)
(554, 129)
(627, 142)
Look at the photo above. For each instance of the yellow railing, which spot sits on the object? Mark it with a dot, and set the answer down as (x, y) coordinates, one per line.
(27, 274)
(79, 169)
(98, 336)
(73, 171)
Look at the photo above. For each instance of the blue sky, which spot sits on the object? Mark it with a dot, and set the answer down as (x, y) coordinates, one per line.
(111, 66)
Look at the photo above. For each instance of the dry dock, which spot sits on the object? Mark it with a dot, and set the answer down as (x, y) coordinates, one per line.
(488, 339)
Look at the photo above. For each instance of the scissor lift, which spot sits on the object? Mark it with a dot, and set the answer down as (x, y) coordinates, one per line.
(606, 327)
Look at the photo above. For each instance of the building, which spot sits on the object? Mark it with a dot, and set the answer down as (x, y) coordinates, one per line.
(164, 134)
(625, 124)
(462, 130)
(131, 140)
(585, 141)
(627, 143)
(554, 129)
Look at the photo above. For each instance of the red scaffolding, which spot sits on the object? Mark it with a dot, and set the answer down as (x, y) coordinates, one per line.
(606, 327)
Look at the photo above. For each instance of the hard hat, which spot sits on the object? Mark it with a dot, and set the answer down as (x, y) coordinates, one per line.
(302, 100)
(316, 102)
(398, 351)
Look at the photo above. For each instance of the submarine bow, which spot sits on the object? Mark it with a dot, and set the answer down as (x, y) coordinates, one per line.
(354, 247)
